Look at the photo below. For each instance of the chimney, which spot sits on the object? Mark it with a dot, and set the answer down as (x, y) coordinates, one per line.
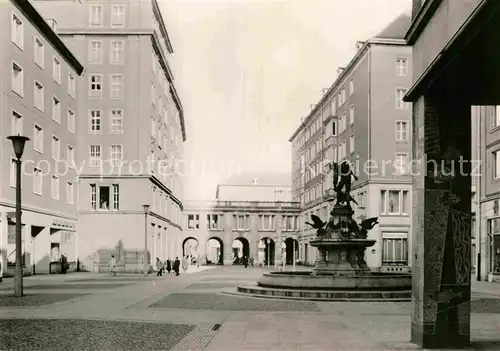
(359, 44)
(302, 118)
(312, 106)
(340, 70)
(52, 23)
(325, 90)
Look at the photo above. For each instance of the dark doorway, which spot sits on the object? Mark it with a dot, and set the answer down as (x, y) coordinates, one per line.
(290, 244)
(269, 251)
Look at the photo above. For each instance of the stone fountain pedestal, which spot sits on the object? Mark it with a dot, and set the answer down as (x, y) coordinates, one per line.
(341, 257)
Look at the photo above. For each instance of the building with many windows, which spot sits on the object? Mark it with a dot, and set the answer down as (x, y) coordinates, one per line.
(39, 99)
(132, 130)
(362, 118)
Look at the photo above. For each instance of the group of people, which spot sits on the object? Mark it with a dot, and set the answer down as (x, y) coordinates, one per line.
(171, 267)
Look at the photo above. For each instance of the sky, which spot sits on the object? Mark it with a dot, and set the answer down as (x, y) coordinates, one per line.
(248, 70)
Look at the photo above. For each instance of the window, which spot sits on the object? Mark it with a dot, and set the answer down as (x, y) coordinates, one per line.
(39, 53)
(70, 193)
(116, 121)
(39, 96)
(93, 197)
(266, 222)
(351, 144)
(71, 156)
(71, 85)
(95, 121)
(95, 85)
(241, 222)
(351, 87)
(394, 249)
(71, 121)
(56, 109)
(17, 79)
(96, 52)
(104, 195)
(290, 222)
(13, 167)
(193, 221)
(115, 86)
(351, 114)
(56, 70)
(213, 221)
(56, 148)
(496, 117)
(117, 15)
(116, 197)
(54, 187)
(334, 128)
(401, 131)
(117, 52)
(334, 107)
(17, 31)
(400, 104)
(95, 15)
(401, 67)
(394, 202)
(37, 181)
(38, 138)
(496, 164)
(95, 155)
(401, 163)
(116, 155)
(16, 124)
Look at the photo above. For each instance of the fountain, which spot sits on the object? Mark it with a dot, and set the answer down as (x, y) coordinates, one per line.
(340, 271)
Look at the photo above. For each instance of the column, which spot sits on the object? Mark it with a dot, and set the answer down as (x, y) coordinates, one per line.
(441, 222)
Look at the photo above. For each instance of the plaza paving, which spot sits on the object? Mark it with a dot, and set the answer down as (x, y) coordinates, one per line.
(86, 311)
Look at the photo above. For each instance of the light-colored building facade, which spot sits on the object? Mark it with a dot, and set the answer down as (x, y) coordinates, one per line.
(132, 130)
(256, 191)
(258, 229)
(362, 118)
(38, 99)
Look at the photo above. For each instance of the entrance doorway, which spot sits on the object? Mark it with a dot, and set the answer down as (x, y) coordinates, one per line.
(291, 243)
(215, 251)
(269, 251)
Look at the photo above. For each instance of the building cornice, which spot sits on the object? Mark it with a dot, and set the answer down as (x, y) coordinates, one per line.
(483, 12)
(39, 211)
(163, 28)
(39, 22)
(421, 19)
(250, 206)
(344, 75)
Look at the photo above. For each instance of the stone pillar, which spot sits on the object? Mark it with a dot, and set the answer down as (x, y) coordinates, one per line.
(441, 222)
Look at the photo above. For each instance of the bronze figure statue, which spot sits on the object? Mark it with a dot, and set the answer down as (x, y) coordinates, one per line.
(346, 174)
(360, 230)
(317, 224)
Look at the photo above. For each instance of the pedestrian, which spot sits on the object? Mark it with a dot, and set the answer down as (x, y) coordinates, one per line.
(185, 261)
(177, 266)
(251, 261)
(112, 265)
(245, 261)
(159, 267)
(168, 265)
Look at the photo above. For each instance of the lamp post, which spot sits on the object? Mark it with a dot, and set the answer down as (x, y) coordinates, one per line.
(146, 210)
(268, 253)
(18, 143)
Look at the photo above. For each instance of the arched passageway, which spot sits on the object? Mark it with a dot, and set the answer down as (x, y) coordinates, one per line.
(190, 247)
(268, 250)
(241, 248)
(215, 251)
(291, 244)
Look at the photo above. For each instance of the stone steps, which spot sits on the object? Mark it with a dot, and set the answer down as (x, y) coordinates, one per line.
(318, 295)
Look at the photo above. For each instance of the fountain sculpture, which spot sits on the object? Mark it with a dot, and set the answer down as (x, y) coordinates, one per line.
(340, 271)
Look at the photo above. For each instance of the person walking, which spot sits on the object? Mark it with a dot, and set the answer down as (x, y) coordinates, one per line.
(168, 265)
(177, 266)
(185, 261)
(245, 261)
(159, 267)
(112, 265)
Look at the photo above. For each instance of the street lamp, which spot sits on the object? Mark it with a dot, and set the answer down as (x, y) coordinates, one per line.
(18, 143)
(146, 211)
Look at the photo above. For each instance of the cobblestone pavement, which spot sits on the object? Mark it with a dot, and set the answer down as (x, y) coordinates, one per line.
(190, 312)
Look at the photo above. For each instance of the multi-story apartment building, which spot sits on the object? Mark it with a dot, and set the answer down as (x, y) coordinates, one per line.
(362, 118)
(133, 130)
(38, 99)
(222, 230)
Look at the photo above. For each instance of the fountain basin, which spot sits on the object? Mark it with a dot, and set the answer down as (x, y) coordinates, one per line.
(305, 280)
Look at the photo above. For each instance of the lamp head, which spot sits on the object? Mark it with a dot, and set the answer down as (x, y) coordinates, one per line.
(18, 143)
(146, 208)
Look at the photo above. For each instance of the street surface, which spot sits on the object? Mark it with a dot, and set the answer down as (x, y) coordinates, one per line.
(87, 311)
